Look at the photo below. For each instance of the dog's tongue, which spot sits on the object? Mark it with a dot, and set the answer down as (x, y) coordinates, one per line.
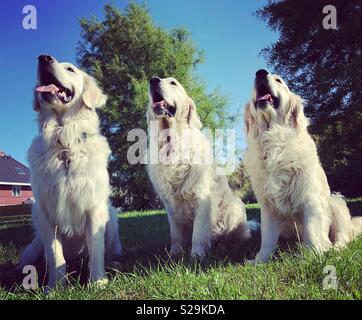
(160, 104)
(266, 97)
(50, 88)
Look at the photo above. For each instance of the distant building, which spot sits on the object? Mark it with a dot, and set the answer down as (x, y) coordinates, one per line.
(15, 185)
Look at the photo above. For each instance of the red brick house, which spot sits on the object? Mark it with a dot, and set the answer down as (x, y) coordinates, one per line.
(15, 185)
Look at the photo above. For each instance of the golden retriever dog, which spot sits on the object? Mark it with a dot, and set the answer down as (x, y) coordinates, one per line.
(68, 161)
(286, 175)
(198, 201)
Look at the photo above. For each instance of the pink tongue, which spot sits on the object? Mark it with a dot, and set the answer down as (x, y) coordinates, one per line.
(160, 103)
(266, 97)
(50, 88)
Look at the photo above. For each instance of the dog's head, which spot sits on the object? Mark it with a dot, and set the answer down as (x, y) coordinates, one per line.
(169, 100)
(62, 86)
(273, 103)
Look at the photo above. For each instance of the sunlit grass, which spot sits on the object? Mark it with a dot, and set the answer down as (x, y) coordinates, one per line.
(147, 271)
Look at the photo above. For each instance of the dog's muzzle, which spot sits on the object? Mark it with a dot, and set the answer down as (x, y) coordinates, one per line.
(49, 86)
(264, 96)
(160, 106)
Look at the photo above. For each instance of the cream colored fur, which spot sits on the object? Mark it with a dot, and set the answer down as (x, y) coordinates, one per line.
(68, 161)
(196, 199)
(288, 179)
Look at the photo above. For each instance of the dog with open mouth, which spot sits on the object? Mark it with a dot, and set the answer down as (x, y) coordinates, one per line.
(68, 161)
(200, 205)
(286, 175)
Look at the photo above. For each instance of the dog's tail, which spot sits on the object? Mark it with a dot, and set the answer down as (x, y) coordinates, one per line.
(247, 227)
(244, 229)
(344, 227)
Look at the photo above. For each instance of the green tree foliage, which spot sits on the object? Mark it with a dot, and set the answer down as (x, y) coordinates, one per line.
(325, 68)
(123, 52)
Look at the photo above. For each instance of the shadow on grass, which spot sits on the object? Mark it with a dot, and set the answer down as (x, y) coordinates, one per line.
(145, 240)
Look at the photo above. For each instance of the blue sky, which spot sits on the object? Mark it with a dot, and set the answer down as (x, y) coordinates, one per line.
(225, 29)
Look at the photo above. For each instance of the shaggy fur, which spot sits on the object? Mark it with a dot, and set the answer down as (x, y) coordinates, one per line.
(286, 175)
(197, 200)
(68, 161)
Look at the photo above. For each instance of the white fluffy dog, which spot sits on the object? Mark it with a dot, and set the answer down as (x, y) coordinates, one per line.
(197, 200)
(68, 161)
(286, 174)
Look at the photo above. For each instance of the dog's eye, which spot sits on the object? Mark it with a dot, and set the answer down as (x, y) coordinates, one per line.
(173, 83)
(70, 69)
(280, 81)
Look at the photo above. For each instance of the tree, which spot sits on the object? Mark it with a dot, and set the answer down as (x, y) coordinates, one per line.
(241, 185)
(123, 52)
(325, 68)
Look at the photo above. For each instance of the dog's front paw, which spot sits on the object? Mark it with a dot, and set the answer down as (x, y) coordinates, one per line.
(176, 250)
(49, 292)
(198, 252)
(339, 245)
(258, 260)
(101, 283)
(51, 289)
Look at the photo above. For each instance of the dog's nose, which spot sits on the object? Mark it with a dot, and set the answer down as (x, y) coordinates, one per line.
(44, 58)
(261, 73)
(154, 81)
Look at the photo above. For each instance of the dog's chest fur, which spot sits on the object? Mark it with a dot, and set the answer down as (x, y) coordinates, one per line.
(69, 172)
(174, 178)
(170, 184)
(280, 168)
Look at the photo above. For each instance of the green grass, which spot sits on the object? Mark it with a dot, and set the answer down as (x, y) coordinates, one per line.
(147, 272)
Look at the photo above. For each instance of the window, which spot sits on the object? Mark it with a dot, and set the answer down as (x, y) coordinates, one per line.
(19, 171)
(16, 191)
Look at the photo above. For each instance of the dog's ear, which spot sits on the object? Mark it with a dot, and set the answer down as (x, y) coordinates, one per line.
(93, 97)
(248, 119)
(192, 117)
(299, 121)
(36, 103)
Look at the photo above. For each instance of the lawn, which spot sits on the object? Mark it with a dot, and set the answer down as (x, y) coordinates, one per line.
(147, 272)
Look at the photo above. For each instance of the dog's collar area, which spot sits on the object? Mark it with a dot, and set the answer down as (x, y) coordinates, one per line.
(64, 154)
(81, 139)
(64, 157)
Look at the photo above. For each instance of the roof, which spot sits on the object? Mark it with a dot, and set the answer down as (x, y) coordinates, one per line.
(12, 171)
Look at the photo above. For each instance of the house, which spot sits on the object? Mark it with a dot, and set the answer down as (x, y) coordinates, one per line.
(15, 185)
